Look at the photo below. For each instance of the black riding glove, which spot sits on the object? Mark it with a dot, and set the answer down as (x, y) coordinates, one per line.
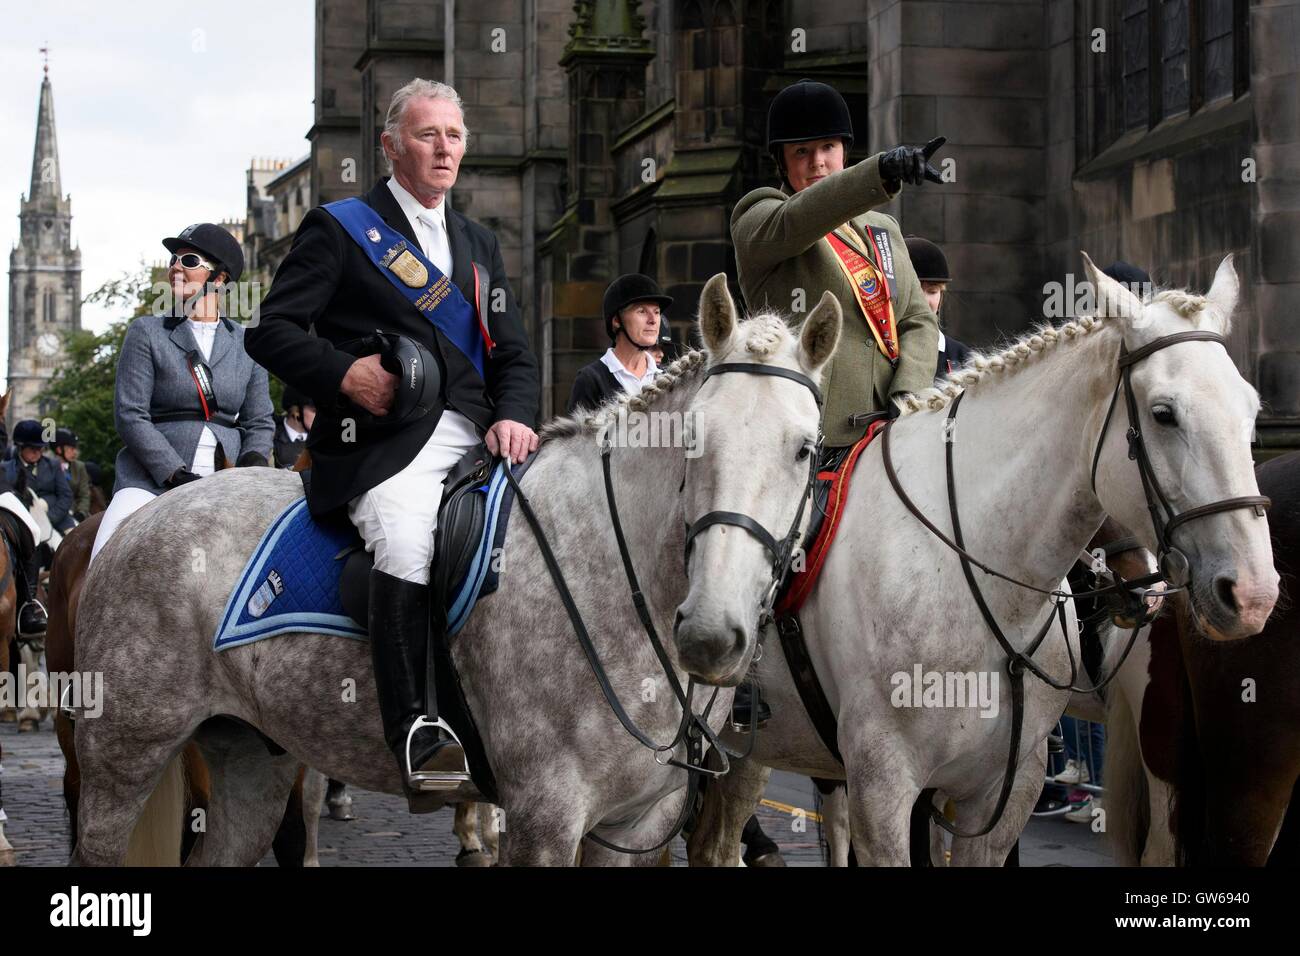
(180, 476)
(910, 164)
(252, 459)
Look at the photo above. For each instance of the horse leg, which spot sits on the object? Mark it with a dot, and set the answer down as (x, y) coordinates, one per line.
(880, 796)
(314, 786)
(250, 793)
(29, 654)
(465, 827)
(6, 849)
(542, 828)
(835, 824)
(647, 831)
(729, 802)
(339, 801)
(113, 797)
(491, 820)
(993, 848)
(290, 842)
(1159, 848)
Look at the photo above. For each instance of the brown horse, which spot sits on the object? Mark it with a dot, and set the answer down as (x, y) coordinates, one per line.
(185, 795)
(1217, 722)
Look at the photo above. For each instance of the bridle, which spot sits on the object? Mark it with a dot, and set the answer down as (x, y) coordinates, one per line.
(694, 728)
(1173, 563)
(1174, 566)
(782, 551)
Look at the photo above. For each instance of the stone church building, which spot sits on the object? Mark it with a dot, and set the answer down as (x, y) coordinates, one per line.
(610, 136)
(44, 274)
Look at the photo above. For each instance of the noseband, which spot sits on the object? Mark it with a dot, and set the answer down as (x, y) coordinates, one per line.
(1174, 566)
(782, 551)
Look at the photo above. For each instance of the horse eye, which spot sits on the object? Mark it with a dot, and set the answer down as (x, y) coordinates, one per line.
(804, 452)
(1164, 414)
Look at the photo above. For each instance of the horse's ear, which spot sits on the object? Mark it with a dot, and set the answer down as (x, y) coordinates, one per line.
(821, 332)
(1225, 290)
(4, 401)
(717, 315)
(1113, 299)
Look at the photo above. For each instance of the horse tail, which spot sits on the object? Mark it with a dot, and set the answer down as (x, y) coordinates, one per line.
(156, 839)
(1128, 806)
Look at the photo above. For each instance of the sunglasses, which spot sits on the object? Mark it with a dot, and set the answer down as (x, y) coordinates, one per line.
(191, 260)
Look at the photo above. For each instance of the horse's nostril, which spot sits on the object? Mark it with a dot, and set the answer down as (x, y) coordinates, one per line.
(1223, 590)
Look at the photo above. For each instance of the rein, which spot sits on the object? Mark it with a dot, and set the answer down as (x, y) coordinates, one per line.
(1174, 566)
(694, 728)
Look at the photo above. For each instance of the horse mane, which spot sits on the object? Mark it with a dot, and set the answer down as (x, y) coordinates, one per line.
(982, 365)
(761, 335)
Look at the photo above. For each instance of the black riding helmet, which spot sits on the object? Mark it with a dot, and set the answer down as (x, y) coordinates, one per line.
(64, 437)
(928, 260)
(629, 289)
(672, 350)
(804, 111)
(291, 397)
(215, 243)
(28, 433)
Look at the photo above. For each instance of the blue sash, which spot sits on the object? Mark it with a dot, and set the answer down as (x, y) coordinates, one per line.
(433, 294)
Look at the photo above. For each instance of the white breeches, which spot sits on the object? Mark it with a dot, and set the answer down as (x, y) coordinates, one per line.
(397, 517)
(127, 502)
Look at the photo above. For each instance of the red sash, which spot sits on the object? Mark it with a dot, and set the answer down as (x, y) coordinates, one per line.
(872, 295)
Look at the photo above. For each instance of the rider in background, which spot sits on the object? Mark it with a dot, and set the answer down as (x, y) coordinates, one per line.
(31, 473)
(66, 454)
(292, 427)
(633, 307)
(188, 397)
(932, 271)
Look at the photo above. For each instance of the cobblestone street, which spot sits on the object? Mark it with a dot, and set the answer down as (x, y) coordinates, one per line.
(384, 834)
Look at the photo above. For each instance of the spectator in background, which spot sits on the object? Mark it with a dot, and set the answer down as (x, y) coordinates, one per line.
(932, 272)
(292, 427)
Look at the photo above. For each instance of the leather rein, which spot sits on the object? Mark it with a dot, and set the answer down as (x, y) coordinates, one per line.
(693, 728)
(1174, 566)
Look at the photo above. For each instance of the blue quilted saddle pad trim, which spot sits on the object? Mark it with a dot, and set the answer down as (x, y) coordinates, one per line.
(291, 582)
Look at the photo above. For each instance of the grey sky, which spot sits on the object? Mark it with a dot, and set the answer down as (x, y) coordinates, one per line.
(159, 106)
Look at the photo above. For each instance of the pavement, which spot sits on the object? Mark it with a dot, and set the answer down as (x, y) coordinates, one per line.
(384, 834)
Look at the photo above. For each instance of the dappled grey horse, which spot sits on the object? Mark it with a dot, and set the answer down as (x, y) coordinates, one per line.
(564, 766)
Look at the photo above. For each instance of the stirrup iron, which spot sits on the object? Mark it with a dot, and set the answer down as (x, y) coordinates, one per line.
(434, 779)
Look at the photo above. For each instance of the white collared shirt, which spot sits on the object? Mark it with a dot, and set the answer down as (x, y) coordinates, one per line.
(631, 384)
(205, 334)
(429, 225)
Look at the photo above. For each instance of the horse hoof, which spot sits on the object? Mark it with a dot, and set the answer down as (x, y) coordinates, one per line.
(473, 858)
(771, 858)
(341, 811)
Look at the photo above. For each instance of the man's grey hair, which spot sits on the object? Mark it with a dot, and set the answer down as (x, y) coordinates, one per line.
(415, 90)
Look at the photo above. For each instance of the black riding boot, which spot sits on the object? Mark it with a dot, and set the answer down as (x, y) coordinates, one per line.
(32, 619)
(742, 706)
(430, 758)
(760, 849)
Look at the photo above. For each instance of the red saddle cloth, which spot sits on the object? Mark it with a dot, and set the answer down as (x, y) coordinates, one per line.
(800, 583)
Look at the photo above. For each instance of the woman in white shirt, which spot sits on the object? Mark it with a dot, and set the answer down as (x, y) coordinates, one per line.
(188, 398)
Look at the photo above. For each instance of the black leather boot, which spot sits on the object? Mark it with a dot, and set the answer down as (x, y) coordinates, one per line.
(32, 619)
(428, 754)
(742, 705)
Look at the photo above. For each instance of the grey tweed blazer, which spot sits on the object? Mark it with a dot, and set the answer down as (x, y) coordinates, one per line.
(153, 377)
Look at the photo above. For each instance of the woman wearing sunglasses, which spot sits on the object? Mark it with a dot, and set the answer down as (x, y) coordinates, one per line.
(188, 397)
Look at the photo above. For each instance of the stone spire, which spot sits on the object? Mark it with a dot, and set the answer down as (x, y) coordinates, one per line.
(45, 157)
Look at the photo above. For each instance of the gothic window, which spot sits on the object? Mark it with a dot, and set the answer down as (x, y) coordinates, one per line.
(1163, 58)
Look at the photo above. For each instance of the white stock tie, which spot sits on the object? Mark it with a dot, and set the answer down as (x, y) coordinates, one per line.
(437, 249)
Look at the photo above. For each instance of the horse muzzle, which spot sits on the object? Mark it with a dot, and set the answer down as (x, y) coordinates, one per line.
(1231, 605)
(715, 652)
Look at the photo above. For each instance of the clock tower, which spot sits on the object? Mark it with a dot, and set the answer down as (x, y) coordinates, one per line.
(44, 273)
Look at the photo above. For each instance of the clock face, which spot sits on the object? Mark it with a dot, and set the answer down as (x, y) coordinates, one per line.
(48, 344)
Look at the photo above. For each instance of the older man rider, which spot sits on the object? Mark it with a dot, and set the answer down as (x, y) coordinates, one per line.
(379, 265)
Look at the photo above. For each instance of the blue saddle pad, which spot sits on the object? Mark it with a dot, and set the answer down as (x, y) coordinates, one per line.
(291, 581)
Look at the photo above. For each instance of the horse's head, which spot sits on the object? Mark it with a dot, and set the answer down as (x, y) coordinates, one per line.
(1194, 421)
(755, 437)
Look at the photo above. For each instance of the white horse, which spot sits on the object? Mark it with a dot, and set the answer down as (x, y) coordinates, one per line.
(564, 766)
(892, 597)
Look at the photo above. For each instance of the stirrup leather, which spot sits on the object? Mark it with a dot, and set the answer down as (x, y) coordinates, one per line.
(433, 779)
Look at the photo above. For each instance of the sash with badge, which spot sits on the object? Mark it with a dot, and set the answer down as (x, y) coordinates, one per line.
(874, 285)
(433, 294)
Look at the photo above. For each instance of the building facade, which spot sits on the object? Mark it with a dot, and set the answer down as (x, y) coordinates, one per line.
(44, 274)
(616, 135)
